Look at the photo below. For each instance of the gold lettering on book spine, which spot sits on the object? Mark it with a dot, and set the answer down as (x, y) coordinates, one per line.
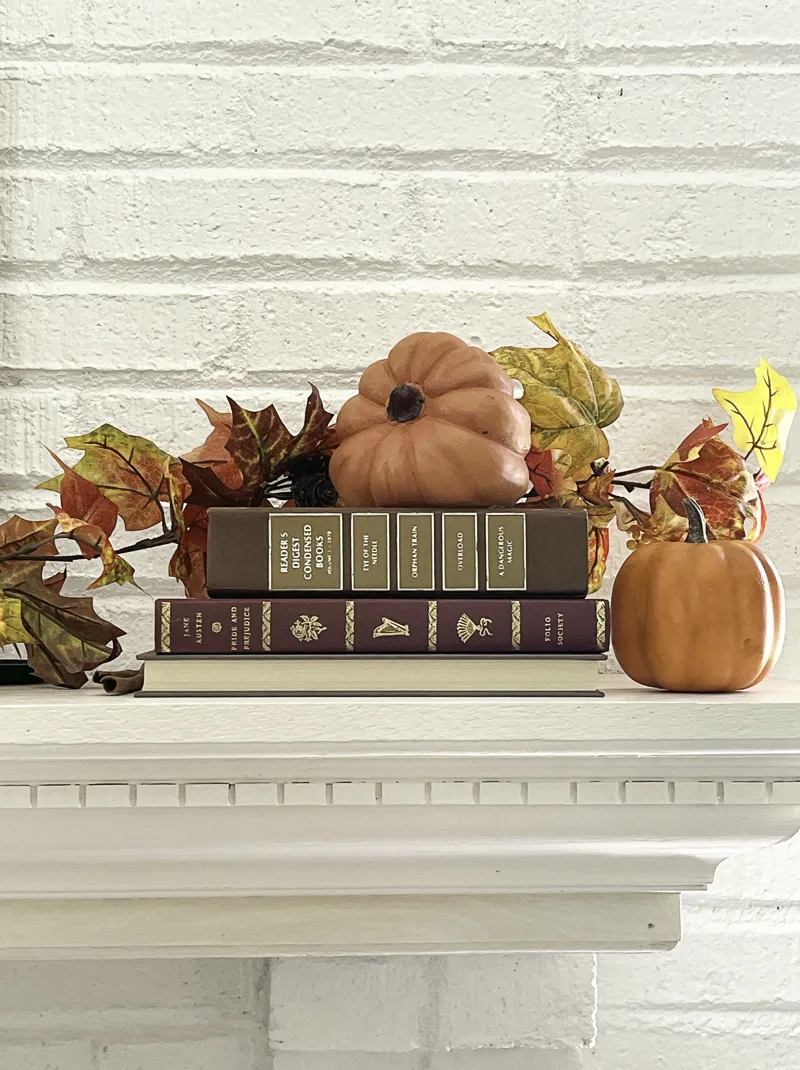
(432, 622)
(349, 626)
(601, 625)
(516, 625)
(266, 626)
(165, 620)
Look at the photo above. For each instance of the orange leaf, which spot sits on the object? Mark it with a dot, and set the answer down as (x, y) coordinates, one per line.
(598, 557)
(214, 452)
(188, 562)
(94, 542)
(597, 488)
(715, 475)
(689, 449)
(547, 478)
(34, 537)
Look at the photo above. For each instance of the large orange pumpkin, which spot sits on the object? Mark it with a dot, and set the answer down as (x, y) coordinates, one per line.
(435, 423)
(698, 615)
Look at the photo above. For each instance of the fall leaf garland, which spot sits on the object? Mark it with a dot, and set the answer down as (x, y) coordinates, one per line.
(250, 458)
(570, 400)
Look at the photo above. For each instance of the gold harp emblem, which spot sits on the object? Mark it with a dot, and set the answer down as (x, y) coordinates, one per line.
(466, 627)
(390, 627)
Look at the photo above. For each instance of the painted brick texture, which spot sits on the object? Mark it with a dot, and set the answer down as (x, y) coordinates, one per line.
(200, 197)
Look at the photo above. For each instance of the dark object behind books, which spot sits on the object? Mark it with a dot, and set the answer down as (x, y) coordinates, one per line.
(16, 671)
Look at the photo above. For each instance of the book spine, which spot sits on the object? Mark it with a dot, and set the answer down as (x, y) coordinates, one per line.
(382, 626)
(412, 552)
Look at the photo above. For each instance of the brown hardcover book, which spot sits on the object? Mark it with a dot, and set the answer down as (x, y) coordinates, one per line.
(419, 674)
(382, 626)
(414, 552)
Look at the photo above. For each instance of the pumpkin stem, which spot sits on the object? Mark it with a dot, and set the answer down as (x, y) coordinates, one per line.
(405, 403)
(698, 532)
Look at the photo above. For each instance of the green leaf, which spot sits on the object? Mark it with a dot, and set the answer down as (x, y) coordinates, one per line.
(125, 468)
(568, 397)
(67, 636)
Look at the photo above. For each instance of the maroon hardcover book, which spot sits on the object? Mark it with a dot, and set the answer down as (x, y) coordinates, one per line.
(382, 626)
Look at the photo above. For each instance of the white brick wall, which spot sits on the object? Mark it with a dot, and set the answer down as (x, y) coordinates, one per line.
(201, 196)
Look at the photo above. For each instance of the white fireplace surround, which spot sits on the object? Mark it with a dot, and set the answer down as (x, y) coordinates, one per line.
(260, 827)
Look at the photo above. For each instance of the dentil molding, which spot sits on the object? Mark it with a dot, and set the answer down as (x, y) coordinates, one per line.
(257, 826)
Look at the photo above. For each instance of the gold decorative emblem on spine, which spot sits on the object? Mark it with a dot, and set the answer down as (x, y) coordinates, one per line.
(390, 627)
(349, 625)
(432, 621)
(266, 626)
(467, 627)
(165, 618)
(601, 625)
(307, 629)
(516, 625)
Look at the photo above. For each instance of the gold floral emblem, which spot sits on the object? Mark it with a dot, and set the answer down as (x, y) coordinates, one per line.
(308, 629)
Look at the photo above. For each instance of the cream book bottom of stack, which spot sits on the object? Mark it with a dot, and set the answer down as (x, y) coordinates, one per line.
(373, 674)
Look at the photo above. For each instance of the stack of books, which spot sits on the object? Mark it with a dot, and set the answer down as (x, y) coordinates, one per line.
(386, 602)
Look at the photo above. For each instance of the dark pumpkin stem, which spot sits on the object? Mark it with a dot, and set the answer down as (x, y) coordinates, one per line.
(405, 403)
(698, 532)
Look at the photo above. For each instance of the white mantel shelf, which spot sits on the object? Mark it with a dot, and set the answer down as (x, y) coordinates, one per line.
(348, 826)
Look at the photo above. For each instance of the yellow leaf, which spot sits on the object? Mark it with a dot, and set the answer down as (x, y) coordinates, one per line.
(762, 417)
(568, 397)
(12, 630)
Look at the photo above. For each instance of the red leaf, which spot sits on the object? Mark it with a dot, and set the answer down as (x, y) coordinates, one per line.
(689, 449)
(207, 489)
(81, 499)
(263, 447)
(259, 443)
(548, 481)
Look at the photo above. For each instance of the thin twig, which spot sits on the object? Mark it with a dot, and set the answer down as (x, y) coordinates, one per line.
(635, 471)
(628, 485)
(166, 539)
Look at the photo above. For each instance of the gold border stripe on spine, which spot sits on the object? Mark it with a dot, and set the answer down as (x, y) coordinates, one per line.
(516, 627)
(432, 624)
(349, 625)
(165, 620)
(266, 626)
(601, 625)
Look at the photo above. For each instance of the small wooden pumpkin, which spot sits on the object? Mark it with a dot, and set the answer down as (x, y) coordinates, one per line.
(698, 615)
(435, 423)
